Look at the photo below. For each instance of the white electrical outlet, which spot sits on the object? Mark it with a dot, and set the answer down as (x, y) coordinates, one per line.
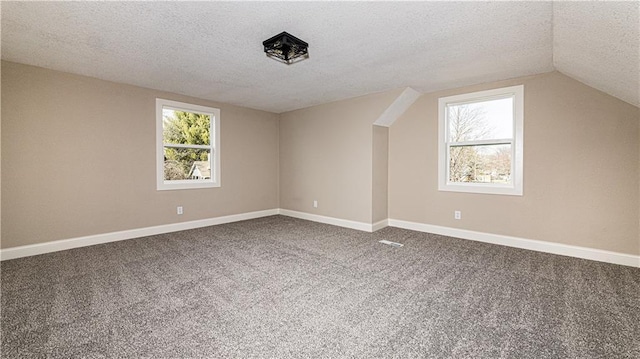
(179, 209)
(315, 204)
(457, 214)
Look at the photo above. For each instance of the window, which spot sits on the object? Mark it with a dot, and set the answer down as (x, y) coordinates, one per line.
(188, 145)
(480, 142)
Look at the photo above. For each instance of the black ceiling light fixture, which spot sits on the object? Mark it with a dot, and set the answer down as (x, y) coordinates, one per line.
(286, 48)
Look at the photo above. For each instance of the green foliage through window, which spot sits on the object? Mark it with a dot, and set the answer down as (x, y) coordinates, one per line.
(184, 128)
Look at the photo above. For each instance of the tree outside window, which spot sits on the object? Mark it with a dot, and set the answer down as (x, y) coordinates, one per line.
(188, 139)
(186, 128)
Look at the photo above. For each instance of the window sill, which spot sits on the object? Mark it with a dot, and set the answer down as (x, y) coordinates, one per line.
(481, 189)
(178, 185)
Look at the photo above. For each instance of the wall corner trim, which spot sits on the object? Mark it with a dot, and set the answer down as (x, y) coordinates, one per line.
(530, 244)
(380, 224)
(64, 244)
(398, 107)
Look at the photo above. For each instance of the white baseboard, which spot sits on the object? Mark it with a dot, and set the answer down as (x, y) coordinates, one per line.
(60, 245)
(516, 242)
(361, 226)
(530, 244)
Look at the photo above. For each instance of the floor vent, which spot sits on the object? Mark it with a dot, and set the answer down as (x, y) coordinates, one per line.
(393, 244)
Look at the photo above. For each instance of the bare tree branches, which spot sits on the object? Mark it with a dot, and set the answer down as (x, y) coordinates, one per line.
(467, 123)
(475, 163)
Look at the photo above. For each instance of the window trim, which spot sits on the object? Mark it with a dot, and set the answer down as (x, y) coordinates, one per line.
(214, 146)
(517, 164)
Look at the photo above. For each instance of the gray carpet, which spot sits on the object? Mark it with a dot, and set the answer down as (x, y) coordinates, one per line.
(280, 287)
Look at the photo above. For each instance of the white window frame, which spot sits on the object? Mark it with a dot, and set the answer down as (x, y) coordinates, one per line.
(516, 141)
(213, 147)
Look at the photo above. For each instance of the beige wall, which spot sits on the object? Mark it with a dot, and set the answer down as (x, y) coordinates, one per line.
(581, 169)
(380, 173)
(326, 155)
(0, 159)
(78, 158)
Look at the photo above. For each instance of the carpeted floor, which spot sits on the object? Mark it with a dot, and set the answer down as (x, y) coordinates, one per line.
(279, 287)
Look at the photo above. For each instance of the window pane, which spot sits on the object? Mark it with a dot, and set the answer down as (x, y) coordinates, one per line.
(484, 120)
(186, 164)
(480, 164)
(184, 127)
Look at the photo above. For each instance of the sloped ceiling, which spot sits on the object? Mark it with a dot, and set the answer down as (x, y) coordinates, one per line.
(598, 43)
(213, 50)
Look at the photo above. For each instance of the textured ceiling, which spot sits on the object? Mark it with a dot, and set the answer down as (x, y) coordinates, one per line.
(598, 43)
(213, 50)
